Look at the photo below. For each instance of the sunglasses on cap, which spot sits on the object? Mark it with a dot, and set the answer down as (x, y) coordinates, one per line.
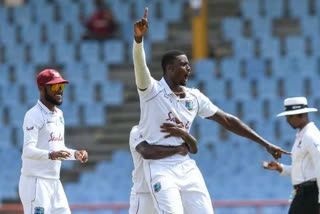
(57, 87)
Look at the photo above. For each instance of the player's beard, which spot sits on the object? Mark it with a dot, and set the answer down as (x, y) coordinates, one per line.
(51, 99)
(183, 83)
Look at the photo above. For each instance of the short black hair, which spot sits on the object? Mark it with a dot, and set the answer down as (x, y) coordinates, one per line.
(168, 58)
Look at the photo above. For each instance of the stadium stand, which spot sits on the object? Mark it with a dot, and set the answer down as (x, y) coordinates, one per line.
(102, 95)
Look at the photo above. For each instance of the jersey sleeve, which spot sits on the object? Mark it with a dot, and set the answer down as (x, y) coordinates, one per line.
(286, 170)
(206, 107)
(31, 126)
(141, 70)
(135, 139)
(149, 92)
(313, 148)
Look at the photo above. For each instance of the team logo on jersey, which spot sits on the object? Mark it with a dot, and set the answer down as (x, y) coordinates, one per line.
(38, 210)
(157, 187)
(189, 104)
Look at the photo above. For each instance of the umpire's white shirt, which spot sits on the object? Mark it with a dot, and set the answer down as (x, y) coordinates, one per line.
(43, 132)
(157, 104)
(138, 179)
(305, 156)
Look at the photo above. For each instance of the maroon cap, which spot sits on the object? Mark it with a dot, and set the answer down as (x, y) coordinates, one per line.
(50, 77)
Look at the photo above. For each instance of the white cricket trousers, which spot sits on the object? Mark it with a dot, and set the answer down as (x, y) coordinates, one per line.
(177, 188)
(43, 194)
(141, 203)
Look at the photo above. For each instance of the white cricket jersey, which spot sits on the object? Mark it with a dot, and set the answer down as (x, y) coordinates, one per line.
(159, 105)
(305, 157)
(43, 132)
(138, 179)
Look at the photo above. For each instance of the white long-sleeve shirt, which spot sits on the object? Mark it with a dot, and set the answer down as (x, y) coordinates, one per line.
(43, 132)
(305, 164)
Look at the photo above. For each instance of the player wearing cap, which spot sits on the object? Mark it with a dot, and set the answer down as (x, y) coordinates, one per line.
(140, 197)
(305, 167)
(40, 188)
(175, 182)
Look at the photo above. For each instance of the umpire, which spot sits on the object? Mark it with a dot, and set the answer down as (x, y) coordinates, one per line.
(305, 168)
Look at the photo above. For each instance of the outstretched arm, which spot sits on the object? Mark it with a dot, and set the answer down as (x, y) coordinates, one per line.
(238, 127)
(155, 152)
(142, 73)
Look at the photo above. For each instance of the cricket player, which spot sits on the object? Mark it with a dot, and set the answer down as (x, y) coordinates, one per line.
(176, 182)
(40, 189)
(140, 198)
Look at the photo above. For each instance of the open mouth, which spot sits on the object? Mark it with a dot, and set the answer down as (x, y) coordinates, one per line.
(186, 77)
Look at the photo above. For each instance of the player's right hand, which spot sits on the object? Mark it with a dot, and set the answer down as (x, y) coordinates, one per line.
(271, 165)
(60, 155)
(142, 25)
(276, 151)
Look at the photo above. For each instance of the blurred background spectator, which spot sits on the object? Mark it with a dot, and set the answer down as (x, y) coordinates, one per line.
(13, 3)
(101, 24)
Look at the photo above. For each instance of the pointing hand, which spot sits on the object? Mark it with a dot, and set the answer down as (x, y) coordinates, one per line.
(141, 26)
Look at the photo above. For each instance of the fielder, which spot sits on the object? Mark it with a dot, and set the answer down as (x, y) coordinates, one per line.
(140, 197)
(175, 182)
(40, 189)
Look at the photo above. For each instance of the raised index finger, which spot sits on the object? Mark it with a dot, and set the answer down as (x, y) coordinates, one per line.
(145, 16)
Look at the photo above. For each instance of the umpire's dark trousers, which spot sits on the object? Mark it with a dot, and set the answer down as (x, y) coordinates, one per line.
(306, 199)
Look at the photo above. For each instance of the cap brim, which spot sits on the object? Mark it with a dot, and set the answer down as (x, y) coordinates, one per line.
(299, 111)
(57, 81)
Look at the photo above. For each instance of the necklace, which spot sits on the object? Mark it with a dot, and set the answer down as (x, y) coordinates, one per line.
(178, 93)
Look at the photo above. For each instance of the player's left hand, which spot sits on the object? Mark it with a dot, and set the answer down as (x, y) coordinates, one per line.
(81, 155)
(141, 26)
(178, 130)
(173, 130)
(272, 165)
(276, 151)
